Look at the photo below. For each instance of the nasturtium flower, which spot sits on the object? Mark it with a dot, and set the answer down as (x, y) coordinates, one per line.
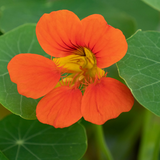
(73, 83)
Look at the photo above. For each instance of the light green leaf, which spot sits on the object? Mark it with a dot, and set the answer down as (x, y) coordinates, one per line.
(31, 140)
(153, 3)
(2, 156)
(149, 147)
(140, 68)
(20, 40)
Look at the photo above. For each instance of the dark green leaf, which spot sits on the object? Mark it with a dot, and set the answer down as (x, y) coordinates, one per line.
(20, 40)
(2, 156)
(153, 3)
(140, 68)
(31, 140)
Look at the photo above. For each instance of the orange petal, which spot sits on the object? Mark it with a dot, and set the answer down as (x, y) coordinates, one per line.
(106, 42)
(105, 100)
(61, 107)
(94, 27)
(34, 74)
(58, 32)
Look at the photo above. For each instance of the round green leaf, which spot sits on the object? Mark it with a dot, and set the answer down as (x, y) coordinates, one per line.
(153, 3)
(140, 68)
(20, 40)
(32, 140)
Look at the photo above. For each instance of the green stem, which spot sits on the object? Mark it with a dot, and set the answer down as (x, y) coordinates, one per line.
(101, 142)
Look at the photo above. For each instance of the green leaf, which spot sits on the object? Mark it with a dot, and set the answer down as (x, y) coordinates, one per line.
(140, 68)
(20, 40)
(153, 3)
(32, 140)
(149, 147)
(18, 12)
(2, 156)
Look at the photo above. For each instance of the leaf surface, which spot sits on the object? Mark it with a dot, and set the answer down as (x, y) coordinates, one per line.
(140, 68)
(20, 40)
(2, 156)
(24, 139)
(153, 3)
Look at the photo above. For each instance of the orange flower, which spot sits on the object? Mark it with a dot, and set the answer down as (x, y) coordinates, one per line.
(82, 48)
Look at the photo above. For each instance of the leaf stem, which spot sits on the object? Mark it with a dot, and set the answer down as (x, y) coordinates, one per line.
(101, 142)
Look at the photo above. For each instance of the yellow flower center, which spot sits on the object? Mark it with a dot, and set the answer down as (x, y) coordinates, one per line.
(82, 64)
(81, 59)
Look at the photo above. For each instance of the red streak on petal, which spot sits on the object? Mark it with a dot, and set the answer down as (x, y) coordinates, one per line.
(58, 31)
(106, 42)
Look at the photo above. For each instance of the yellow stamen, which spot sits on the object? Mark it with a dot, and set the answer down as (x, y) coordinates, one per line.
(72, 62)
(81, 59)
(90, 59)
(83, 66)
(81, 77)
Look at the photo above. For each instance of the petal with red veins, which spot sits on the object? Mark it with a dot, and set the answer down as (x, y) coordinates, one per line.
(34, 74)
(113, 50)
(106, 42)
(105, 100)
(61, 107)
(58, 32)
(94, 27)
